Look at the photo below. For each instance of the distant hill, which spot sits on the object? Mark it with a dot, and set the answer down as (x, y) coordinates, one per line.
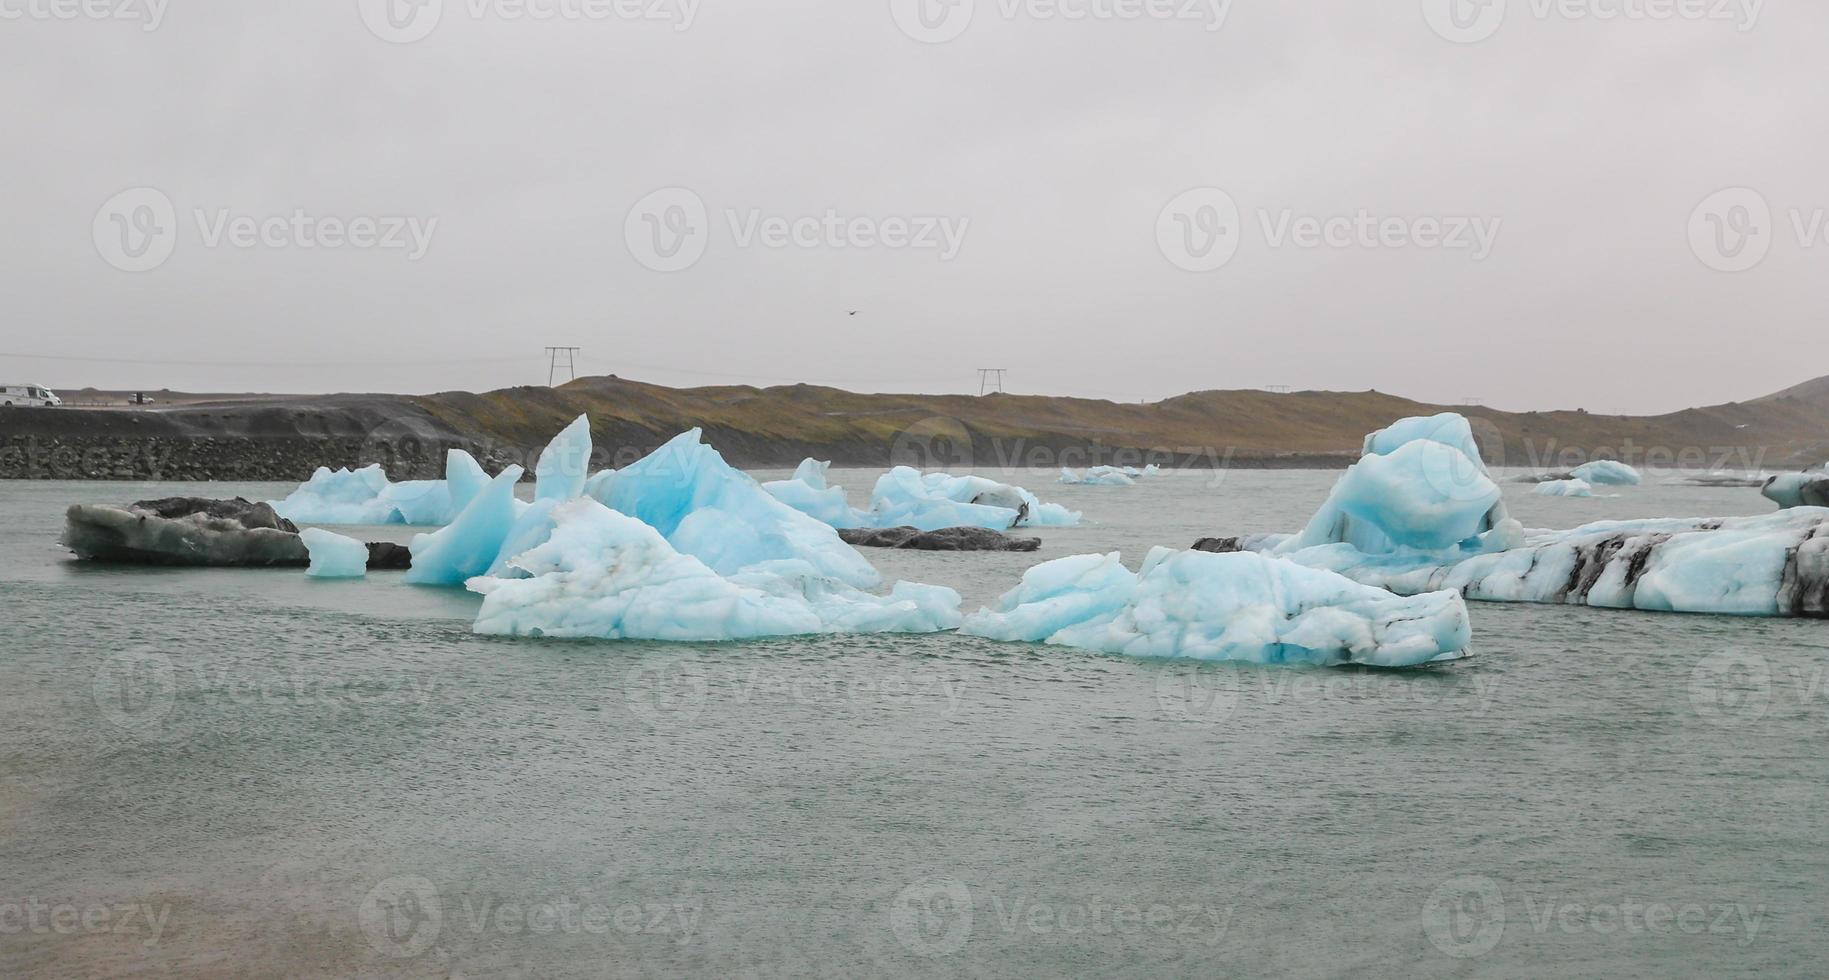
(283, 437)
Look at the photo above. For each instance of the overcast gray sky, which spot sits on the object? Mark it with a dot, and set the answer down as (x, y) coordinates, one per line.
(988, 183)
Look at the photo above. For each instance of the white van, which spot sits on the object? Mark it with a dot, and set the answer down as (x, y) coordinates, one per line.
(29, 396)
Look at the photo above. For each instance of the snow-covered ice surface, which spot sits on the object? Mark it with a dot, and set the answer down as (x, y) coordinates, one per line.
(1564, 488)
(809, 493)
(333, 555)
(1406, 528)
(1240, 607)
(1607, 473)
(603, 574)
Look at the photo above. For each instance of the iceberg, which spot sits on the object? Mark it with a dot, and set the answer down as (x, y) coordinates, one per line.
(1607, 473)
(606, 575)
(721, 516)
(565, 464)
(365, 496)
(1190, 605)
(333, 555)
(469, 545)
(906, 497)
(1373, 531)
(809, 493)
(1565, 488)
(1807, 489)
(1100, 476)
(1416, 487)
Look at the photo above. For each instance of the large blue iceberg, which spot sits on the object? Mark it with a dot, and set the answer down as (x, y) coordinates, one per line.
(605, 575)
(722, 516)
(1421, 522)
(1239, 607)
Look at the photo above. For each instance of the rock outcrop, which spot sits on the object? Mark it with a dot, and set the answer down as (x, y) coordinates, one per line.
(946, 539)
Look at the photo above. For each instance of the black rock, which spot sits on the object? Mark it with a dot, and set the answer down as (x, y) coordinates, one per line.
(386, 556)
(248, 514)
(1219, 546)
(947, 539)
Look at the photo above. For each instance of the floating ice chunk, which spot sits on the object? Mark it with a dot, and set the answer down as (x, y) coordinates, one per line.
(340, 497)
(1100, 476)
(333, 555)
(469, 546)
(809, 494)
(1565, 488)
(565, 464)
(905, 497)
(603, 574)
(1607, 473)
(1807, 489)
(1244, 607)
(704, 508)
(1421, 494)
(531, 529)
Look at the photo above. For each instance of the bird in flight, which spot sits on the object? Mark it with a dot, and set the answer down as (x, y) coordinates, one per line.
(854, 312)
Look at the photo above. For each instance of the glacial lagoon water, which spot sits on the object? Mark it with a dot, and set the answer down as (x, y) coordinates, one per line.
(252, 773)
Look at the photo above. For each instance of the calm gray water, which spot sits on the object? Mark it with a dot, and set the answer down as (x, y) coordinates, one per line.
(249, 773)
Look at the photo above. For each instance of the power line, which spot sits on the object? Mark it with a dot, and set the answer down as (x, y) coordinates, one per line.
(984, 380)
(571, 363)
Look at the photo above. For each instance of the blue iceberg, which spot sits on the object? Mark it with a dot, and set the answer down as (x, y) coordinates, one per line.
(605, 575)
(906, 497)
(366, 497)
(809, 493)
(1607, 473)
(723, 517)
(1565, 488)
(1378, 532)
(333, 555)
(1189, 605)
(564, 465)
(469, 545)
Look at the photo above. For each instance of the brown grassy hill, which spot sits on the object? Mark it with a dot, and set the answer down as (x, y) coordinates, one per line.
(282, 437)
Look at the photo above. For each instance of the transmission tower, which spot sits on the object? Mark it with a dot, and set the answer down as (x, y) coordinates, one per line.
(571, 363)
(984, 380)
